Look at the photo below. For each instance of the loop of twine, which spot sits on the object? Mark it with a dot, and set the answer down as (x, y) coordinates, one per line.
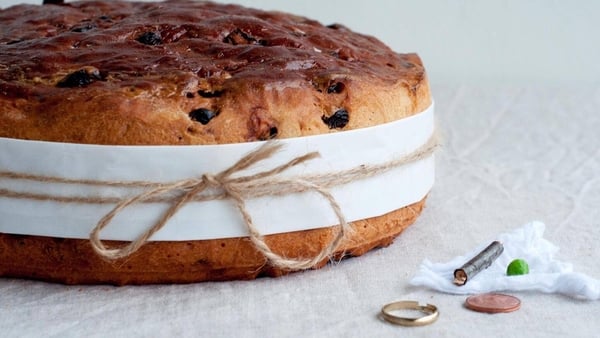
(238, 189)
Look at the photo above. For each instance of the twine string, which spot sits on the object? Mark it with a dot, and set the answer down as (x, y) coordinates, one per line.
(190, 188)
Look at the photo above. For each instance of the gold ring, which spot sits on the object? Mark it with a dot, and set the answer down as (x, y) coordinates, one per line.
(430, 310)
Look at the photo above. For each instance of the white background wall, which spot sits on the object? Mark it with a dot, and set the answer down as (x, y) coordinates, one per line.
(472, 42)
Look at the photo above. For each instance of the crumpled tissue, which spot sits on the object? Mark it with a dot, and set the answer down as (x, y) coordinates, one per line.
(546, 274)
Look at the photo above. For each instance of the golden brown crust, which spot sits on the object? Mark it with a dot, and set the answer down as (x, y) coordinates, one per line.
(198, 73)
(72, 261)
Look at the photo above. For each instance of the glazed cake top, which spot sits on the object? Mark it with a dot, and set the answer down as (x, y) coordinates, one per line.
(132, 39)
(184, 49)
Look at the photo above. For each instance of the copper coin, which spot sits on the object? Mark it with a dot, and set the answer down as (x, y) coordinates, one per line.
(493, 303)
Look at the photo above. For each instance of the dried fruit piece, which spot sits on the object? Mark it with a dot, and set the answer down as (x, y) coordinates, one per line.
(239, 37)
(150, 38)
(335, 26)
(210, 94)
(336, 88)
(273, 132)
(80, 78)
(83, 28)
(338, 120)
(202, 115)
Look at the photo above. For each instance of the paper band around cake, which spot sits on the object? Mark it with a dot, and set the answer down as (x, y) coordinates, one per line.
(362, 199)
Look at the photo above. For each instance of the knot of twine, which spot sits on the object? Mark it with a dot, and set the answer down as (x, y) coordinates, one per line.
(233, 188)
(226, 186)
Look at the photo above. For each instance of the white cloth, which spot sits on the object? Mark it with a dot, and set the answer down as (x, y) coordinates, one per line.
(546, 273)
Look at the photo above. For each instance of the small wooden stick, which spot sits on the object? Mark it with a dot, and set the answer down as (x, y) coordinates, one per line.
(478, 263)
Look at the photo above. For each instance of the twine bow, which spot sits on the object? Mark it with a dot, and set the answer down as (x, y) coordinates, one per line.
(236, 189)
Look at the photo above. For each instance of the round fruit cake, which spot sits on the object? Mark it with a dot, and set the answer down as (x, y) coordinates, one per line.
(192, 73)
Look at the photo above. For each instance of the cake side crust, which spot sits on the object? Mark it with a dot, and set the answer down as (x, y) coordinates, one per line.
(72, 261)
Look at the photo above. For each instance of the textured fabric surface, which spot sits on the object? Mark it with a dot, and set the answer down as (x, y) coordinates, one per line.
(509, 156)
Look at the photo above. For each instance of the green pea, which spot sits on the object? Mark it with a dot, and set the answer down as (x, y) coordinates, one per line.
(517, 267)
